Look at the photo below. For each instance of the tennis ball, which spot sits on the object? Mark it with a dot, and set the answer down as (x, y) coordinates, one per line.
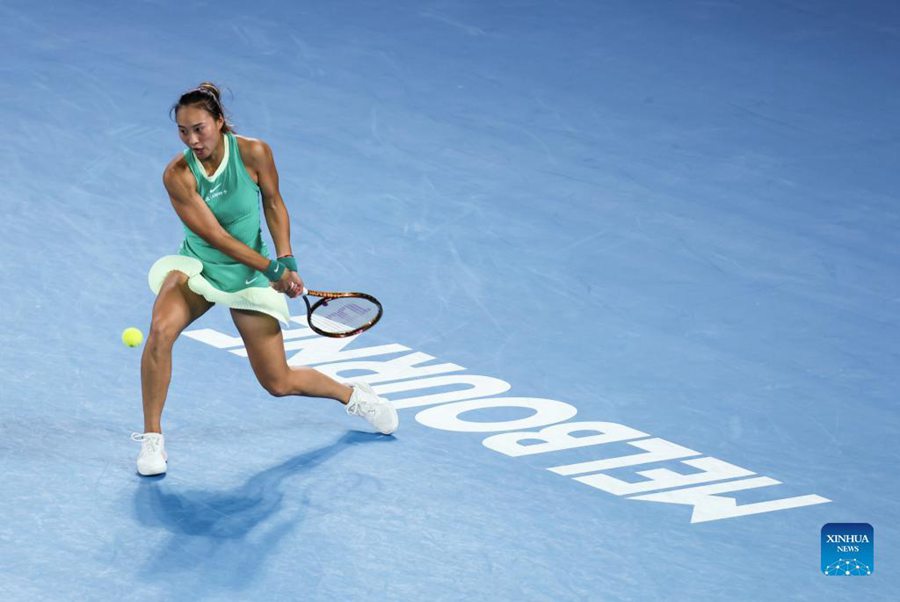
(132, 337)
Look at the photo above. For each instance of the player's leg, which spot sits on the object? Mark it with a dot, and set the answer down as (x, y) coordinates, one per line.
(265, 349)
(175, 308)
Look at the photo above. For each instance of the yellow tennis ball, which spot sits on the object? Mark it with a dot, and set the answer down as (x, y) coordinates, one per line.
(132, 336)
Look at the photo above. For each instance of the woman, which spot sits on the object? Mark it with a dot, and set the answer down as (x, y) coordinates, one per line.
(214, 187)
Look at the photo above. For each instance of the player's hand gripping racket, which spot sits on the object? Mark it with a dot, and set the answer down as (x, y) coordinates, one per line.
(341, 314)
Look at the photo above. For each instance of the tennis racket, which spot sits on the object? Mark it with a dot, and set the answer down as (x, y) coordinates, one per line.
(341, 314)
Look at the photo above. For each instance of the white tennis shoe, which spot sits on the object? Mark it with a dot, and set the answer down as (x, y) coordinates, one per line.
(377, 411)
(152, 459)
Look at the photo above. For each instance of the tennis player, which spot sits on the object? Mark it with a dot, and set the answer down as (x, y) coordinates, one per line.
(215, 186)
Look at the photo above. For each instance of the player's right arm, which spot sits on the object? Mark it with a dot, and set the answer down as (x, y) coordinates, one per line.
(196, 215)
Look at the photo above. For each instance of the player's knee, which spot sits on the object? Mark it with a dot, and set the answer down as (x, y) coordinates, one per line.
(277, 386)
(163, 331)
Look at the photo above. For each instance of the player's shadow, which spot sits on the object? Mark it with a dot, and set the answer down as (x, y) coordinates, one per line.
(221, 538)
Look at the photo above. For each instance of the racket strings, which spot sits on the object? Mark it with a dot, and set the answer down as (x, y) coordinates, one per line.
(345, 314)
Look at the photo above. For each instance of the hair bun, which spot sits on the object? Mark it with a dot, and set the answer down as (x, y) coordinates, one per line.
(211, 88)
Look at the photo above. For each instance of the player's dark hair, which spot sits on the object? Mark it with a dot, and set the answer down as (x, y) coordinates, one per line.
(208, 97)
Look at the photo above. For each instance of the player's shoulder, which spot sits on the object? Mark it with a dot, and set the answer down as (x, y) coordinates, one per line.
(177, 169)
(253, 150)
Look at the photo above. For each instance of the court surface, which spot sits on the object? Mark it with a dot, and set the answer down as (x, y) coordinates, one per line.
(673, 223)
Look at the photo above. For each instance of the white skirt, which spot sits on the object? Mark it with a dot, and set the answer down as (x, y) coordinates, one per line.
(262, 299)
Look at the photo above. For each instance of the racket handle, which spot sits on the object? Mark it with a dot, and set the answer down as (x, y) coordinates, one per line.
(304, 292)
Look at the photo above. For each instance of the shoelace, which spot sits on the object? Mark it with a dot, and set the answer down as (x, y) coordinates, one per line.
(152, 442)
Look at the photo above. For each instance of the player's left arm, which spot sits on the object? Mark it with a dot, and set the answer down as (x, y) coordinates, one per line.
(277, 219)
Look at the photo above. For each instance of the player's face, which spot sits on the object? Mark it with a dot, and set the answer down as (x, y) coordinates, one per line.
(199, 131)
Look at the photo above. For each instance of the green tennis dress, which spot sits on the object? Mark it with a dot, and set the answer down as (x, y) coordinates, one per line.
(233, 198)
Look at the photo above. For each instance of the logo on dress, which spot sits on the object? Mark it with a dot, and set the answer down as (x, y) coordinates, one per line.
(214, 192)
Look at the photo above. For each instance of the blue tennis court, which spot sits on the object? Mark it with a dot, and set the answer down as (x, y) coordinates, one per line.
(641, 281)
